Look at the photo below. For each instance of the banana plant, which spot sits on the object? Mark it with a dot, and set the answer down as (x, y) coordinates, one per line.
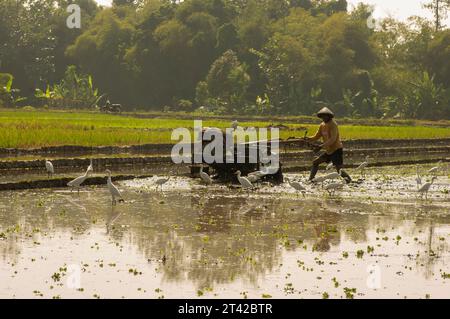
(73, 91)
(8, 95)
(427, 99)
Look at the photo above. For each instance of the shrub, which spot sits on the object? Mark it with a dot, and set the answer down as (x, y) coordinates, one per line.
(73, 91)
(184, 105)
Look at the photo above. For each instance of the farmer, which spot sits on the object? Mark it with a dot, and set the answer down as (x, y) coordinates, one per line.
(329, 133)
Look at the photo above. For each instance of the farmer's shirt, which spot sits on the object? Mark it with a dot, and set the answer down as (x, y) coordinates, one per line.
(329, 133)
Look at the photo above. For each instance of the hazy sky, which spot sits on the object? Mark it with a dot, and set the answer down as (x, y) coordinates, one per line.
(400, 9)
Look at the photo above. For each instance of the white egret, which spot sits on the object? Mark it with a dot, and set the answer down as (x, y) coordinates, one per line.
(333, 187)
(332, 176)
(160, 182)
(435, 169)
(76, 183)
(319, 179)
(245, 183)
(297, 186)
(90, 167)
(205, 177)
(113, 189)
(363, 165)
(418, 178)
(270, 170)
(49, 168)
(256, 176)
(426, 188)
(253, 178)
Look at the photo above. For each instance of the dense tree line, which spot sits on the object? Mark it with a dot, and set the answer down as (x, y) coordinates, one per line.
(226, 56)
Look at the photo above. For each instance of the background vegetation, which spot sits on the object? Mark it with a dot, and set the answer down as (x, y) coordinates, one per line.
(258, 57)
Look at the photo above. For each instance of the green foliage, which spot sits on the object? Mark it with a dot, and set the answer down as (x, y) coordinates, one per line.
(185, 106)
(329, 7)
(439, 9)
(73, 91)
(227, 82)
(9, 97)
(5, 89)
(230, 56)
(428, 100)
(34, 37)
(202, 93)
(101, 49)
(438, 57)
(6, 82)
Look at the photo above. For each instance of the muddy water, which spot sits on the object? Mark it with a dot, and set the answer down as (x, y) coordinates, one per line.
(73, 172)
(189, 241)
(17, 175)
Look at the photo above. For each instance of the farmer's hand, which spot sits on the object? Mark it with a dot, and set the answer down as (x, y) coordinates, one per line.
(317, 148)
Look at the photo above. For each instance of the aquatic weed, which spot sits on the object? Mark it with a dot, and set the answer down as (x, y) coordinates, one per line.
(349, 292)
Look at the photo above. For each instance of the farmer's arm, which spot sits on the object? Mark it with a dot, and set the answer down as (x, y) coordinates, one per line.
(317, 136)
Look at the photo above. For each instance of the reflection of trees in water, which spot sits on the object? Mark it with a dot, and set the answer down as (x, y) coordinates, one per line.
(347, 218)
(38, 213)
(209, 241)
(10, 214)
(435, 248)
(206, 239)
(206, 245)
(416, 222)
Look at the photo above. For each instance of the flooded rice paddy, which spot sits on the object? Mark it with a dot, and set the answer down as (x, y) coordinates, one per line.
(372, 240)
(167, 167)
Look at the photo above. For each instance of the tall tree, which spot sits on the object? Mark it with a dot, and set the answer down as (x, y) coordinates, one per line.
(439, 8)
(438, 57)
(227, 82)
(100, 51)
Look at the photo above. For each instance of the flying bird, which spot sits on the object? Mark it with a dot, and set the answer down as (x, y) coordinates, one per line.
(435, 169)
